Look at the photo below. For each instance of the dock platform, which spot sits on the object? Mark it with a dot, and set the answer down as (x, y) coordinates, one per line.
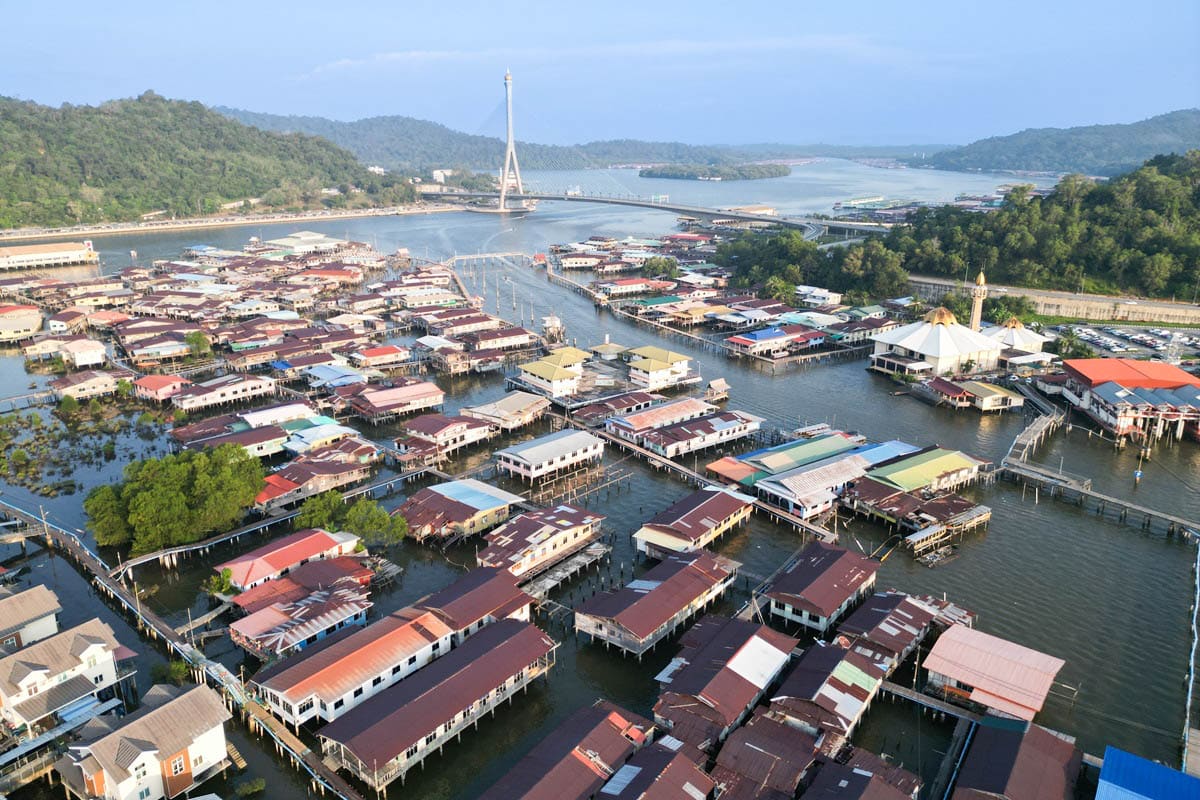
(541, 586)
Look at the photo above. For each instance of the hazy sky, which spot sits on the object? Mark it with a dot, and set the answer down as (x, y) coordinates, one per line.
(702, 72)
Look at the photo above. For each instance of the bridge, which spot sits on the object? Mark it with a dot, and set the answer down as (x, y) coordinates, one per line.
(813, 226)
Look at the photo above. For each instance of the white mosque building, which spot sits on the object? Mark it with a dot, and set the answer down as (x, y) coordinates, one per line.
(938, 345)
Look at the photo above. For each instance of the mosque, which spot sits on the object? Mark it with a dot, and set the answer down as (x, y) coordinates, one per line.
(939, 345)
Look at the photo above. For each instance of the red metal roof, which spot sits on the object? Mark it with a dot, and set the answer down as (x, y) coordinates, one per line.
(271, 559)
(1130, 373)
(482, 592)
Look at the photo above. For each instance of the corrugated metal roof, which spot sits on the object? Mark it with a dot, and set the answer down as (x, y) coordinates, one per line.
(1005, 675)
(1126, 776)
(547, 448)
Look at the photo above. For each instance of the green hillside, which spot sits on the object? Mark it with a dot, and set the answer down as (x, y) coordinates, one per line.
(1092, 149)
(415, 145)
(125, 158)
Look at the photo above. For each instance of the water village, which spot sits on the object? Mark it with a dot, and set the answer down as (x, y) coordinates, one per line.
(326, 360)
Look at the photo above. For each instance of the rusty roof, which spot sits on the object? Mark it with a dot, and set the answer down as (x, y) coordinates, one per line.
(648, 602)
(890, 620)
(692, 517)
(346, 660)
(482, 592)
(822, 578)
(399, 717)
(658, 773)
(575, 759)
(1015, 760)
(771, 754)
(725, 665)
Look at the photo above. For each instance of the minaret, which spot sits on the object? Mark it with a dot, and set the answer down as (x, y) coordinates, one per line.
(511, 169)
(978, 295)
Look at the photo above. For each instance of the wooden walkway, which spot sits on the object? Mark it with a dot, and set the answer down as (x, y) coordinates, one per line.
(1191, 758)
(156, 628)
(932, 703)
(1077, 491)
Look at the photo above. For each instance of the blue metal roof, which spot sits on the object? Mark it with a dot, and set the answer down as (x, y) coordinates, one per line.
(1129, 777)
(878, 453)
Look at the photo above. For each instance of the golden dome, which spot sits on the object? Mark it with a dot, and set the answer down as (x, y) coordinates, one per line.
(1014, 323)
(941, 316)
(980, 280)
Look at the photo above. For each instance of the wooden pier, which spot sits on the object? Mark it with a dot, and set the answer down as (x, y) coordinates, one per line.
(156, 629)
(1078, 492)
(541, 586)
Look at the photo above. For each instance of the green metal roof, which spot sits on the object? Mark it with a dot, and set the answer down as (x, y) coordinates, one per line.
(922, 469)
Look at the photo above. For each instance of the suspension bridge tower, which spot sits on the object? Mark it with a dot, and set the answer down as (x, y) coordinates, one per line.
(510, 176)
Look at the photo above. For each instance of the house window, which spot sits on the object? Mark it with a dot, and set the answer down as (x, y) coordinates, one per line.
(197, 761)
(144, 793)
(339, 704)
(437, 646)
(177, 765)
(10, 641)
(139, 771)
(358, 692)
(378, 680)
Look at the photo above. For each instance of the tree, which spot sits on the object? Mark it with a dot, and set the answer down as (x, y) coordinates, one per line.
(323, 510)
(175, 671)
(368, 519)
(68, 406)
(662, 266)
(199, 344)
(106, 516)
(176, 499)
(95, 409)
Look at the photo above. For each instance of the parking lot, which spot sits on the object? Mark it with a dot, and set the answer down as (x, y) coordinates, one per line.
(1137, 342)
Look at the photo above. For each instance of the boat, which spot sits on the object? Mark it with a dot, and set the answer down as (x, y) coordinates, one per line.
(943, 555)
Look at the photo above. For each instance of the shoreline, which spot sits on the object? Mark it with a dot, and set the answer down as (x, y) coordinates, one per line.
(127, 228)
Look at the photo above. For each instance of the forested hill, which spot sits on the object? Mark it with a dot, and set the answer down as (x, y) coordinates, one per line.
(1139, 234)
(125, 158)
(408, 144)
(1091, 150)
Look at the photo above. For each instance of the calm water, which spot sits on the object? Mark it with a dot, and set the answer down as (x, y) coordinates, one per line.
(1113, 602)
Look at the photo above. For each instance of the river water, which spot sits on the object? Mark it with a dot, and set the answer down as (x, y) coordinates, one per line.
(1110, 600)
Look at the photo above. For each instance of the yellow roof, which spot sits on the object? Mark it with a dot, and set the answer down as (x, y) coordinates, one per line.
(546, 371)
(659, 354)
(566, 355)
(649, 365)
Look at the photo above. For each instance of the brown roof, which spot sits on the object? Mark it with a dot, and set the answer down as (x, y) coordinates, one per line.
(822, 578)
(889, 620)
(575, 759)
(659, 773)
(694, 516)
(399, 717)
(837, 782)
(482, 592)
(725, 665)
(648, 602)
(769, 753)
(1007, 761)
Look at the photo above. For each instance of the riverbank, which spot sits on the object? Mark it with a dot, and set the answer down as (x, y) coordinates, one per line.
(133, 228)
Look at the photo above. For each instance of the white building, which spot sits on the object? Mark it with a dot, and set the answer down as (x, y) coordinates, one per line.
(55, 254)
(233, 388)
(172, 744)
(565, 450)
(531, 542)
(19, 322)
(28, 617)
(938, 345)
(332, 677)
(63, 672)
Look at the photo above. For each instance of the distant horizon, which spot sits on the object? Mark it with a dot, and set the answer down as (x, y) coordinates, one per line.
(763, 143)
(675, 72)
